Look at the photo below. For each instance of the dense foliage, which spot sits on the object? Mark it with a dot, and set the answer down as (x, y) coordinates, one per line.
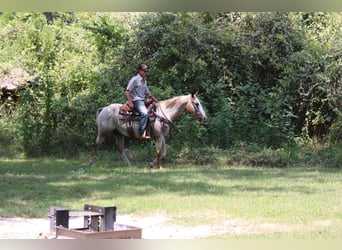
(270, 79)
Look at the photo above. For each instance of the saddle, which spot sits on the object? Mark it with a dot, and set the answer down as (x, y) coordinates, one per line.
(128, 113)
(128, 116)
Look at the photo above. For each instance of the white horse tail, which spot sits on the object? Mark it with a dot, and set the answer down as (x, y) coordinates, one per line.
(98, 111)
(97, 114)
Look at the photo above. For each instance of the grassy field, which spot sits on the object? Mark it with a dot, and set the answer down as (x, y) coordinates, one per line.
(259, 202)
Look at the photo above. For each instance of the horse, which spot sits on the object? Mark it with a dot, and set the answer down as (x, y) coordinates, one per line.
(166, 112)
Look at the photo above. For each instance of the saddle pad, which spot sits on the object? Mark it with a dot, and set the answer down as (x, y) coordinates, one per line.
(129, 117)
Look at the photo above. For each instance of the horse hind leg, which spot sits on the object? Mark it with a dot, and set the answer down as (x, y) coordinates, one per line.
(99, 139)
(120, 142)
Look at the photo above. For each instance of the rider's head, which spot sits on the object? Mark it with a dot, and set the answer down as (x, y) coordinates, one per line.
(142, 69)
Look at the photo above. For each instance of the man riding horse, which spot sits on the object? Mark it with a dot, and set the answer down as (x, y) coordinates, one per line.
(113, 118)
(136, 91)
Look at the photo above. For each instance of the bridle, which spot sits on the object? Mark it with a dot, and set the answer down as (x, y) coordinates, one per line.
(196, 105)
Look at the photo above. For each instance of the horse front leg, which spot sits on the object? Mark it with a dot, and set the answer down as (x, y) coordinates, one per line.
(120, 142)
(161, 152)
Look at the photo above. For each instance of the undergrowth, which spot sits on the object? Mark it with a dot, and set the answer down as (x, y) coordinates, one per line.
(329, 156)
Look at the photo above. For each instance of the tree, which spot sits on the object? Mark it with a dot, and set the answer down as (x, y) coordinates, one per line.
(264, 78)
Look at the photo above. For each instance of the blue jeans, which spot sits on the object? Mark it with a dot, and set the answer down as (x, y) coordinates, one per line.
(140, 107)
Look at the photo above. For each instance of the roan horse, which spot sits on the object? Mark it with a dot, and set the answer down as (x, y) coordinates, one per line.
(108, 120)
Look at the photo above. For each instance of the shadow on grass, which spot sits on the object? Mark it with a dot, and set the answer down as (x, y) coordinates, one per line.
(28, 187)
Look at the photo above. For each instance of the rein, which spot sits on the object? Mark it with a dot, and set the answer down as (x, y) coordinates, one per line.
(164, 119)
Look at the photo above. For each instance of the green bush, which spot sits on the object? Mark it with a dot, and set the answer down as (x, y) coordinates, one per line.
(264, 78)
(336, 130)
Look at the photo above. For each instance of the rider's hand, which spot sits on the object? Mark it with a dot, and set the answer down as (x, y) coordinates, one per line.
(153, 98)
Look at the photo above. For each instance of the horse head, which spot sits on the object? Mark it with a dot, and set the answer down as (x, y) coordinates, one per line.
(195, 107)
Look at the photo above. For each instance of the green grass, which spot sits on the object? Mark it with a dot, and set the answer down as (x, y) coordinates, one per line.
(303, 202)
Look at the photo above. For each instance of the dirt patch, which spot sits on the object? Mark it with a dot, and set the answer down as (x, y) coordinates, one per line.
(153, 227)
(20, 228)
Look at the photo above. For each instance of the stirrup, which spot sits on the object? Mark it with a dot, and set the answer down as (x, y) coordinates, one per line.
(145, 136)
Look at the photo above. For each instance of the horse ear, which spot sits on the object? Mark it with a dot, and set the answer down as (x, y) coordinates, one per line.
(194, 93)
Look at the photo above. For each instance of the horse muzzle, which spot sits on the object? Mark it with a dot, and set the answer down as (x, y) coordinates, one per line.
(201, 118)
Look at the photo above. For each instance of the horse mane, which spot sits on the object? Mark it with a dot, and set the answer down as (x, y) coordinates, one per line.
(172, 108)
(170, 103)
